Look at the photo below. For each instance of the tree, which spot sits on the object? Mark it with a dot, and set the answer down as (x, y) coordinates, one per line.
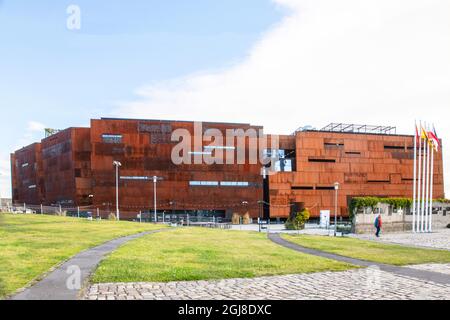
(299, 221)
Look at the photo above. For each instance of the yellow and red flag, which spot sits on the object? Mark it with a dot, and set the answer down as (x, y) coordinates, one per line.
(424, 135)
(434, 139)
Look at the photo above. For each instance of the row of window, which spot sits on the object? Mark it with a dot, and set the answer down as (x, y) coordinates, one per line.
(112, 138)
(217, 184)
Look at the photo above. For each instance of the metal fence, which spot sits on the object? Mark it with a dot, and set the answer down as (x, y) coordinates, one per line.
(99, 214)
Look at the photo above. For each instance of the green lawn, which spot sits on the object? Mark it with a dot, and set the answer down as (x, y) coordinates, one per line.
(371, 250)
(203, 254)
(30, 245)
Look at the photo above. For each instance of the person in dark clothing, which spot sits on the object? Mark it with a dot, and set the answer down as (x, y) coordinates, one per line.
(378, 225)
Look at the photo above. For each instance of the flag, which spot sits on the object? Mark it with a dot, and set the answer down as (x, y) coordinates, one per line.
(434, 141)
(417, 134)
(435, 136)
(424, 134)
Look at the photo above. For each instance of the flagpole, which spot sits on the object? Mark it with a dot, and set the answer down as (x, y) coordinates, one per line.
(419, 180)
(422, 209)
(430, 223)
(427, 197)
(415, 178)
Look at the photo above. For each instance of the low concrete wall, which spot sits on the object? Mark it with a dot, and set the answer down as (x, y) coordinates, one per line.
(397, 220)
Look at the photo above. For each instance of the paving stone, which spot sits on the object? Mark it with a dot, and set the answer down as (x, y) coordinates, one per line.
(440, 239)
(357, 284)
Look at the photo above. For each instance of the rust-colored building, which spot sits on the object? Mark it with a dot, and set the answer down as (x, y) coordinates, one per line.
(364, 164)
(74, 168)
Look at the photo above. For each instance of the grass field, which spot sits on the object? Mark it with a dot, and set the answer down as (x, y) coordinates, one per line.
(204, 254)
(30, 245)
(370, 250)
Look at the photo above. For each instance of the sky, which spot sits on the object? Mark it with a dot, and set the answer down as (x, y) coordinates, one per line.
(278, 63)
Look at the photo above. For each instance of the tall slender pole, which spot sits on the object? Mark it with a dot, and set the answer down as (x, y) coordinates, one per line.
(336, 188)
(430, 223)
(155, 180)
(419, 175)
(117, 164)
(427, 197)
(424, 172)
(415, 179)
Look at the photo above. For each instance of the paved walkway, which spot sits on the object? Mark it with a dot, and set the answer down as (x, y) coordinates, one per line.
(374, 281)
(360, 284)
(437, 240)
(423, 274)
(66, 281)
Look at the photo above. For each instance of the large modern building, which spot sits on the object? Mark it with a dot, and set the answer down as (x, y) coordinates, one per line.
(74, 167)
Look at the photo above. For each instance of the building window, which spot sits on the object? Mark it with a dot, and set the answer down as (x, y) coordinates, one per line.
(322, 160)
(302, 188)
(112, 138)
(200, 153)
(204, 183)
(394, 147)
(328, 145)
(219, 148)
(135, 178)
(325, 188)
(234, 184)
(284, 165)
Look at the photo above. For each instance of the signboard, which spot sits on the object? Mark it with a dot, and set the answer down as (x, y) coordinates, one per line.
(324, 218)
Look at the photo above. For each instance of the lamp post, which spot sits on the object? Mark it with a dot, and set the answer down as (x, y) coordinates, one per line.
(117, 164)
(260, 203)
(155, 181)
(336, 188)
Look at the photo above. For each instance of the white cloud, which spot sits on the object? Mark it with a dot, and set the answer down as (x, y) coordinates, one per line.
(373, 61)
(34, 126)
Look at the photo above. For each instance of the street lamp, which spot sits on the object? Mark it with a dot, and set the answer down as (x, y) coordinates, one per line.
(155, 181)
(117, 164)
(336, 188)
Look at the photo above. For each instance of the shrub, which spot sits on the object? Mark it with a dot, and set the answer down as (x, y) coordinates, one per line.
(448, 226)
(236, 219)
(112, 217)
(299, 221)
(371, 202)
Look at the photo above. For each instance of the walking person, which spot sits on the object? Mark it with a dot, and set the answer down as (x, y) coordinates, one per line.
(378, 225)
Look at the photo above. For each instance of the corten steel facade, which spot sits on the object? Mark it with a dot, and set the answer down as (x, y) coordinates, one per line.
(144, 148)
(75, 168)
(364, 165)
(27, 173)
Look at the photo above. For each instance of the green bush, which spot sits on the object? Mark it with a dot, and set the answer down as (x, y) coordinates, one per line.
(371, 202)
(299, 221)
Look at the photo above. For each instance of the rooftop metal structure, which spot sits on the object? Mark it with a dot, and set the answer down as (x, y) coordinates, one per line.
(352, 128)
(358, 128)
